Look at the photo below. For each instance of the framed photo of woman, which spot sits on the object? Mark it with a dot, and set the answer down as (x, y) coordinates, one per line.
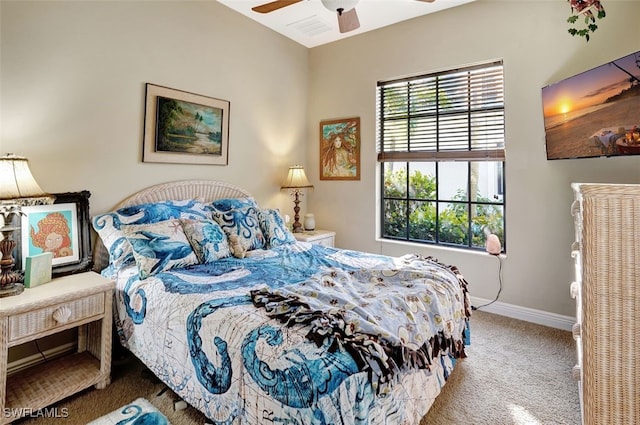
(340, 149)
(61, 229)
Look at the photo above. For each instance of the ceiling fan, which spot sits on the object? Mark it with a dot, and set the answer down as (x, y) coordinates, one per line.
(347, 16)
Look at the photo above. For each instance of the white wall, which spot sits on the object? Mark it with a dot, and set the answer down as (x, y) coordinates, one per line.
(73, 76)
(531, 37)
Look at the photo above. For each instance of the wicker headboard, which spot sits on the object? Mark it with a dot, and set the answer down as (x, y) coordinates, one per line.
(203, 190)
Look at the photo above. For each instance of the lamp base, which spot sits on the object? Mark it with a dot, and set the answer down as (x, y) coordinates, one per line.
(9, 279)
(297, 226)
(16, 289)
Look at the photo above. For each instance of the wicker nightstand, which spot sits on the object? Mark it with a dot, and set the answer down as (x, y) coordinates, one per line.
(80, 301)
(318, 237)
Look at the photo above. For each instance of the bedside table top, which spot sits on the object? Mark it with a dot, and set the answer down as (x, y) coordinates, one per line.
(58, 290)
(317, 232)
(314, 235)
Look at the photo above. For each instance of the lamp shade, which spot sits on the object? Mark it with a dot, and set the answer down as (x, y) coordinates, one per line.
(296, 178)
(16, 181)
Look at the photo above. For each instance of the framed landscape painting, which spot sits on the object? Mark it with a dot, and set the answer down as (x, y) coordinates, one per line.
(184, 128)
(340, 149)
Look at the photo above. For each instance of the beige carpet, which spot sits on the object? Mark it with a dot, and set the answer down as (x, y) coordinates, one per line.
(516, 373)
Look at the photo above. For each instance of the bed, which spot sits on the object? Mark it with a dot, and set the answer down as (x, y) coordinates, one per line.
(250, 326)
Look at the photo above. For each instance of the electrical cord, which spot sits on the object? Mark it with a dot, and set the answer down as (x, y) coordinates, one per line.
(499, 289)
(44, 357)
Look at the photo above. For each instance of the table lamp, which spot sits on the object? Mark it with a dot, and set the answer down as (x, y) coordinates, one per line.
(296, 180)
(18, 188)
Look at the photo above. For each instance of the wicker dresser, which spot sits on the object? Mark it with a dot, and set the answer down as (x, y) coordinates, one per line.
(80, 301)
(607, 292)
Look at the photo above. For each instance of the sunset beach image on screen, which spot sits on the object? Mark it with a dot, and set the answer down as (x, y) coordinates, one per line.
(594, 113)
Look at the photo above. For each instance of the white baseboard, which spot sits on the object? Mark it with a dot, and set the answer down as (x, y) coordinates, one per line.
(540, 317)
(35, 359)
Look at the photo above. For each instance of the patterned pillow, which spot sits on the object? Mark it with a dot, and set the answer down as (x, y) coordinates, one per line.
(228, 204)
(158, 247)
(207, 239)
(274, 228)
(108, 225)
(242, 222)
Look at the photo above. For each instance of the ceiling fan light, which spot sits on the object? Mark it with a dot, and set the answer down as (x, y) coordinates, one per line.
(335, 5)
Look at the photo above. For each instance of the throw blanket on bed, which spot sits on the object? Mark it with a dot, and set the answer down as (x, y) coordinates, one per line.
(385, 318)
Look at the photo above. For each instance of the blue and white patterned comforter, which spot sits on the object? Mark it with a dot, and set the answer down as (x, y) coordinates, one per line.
(198, 330)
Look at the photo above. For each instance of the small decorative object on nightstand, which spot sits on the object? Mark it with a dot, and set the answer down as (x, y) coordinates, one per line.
(37, 269)
(309, 222)
(80, 301)
(318, 237)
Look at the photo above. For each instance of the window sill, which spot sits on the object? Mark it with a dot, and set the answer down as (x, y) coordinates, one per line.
(437, 248)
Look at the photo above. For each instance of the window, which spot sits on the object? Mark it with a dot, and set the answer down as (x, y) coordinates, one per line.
(441, 153)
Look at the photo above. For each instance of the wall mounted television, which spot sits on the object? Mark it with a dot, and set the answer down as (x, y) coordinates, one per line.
(595, 113)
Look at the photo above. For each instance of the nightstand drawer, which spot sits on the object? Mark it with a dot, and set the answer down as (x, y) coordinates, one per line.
(51, 317)
(328, 241)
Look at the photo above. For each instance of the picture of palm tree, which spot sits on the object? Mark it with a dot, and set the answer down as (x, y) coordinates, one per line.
(186, 127)
(594, 113)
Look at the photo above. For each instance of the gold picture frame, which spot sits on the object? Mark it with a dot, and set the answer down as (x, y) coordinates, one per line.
(184, 128)
(340, 149)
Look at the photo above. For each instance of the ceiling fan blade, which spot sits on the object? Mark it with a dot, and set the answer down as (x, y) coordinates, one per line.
(428, 1)
(274, 5)
(348, 21)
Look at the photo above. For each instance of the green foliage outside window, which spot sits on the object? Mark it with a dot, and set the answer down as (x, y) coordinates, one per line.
(415, 216)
